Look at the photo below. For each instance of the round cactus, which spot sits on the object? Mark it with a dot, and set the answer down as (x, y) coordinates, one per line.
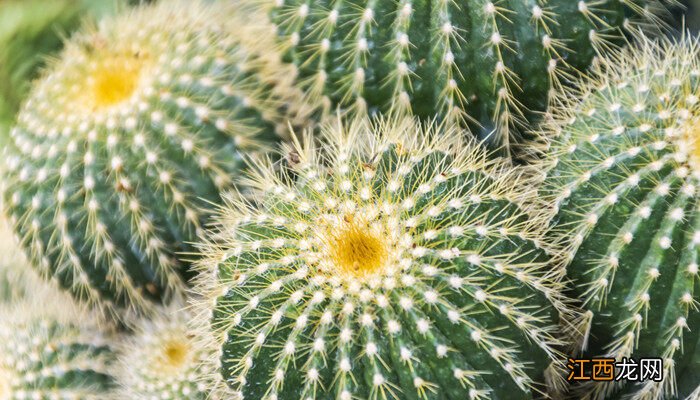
(30, 30)
(625, 181)
(49, 349)
(138, 125)
(161, 361)
(394, 262)
(487, 65)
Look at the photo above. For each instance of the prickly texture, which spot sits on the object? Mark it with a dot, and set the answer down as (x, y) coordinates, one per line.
(137, 126)
(31, 31)
(625, 181)
(160, 360)
(49, 349)
(487, 65)
(392, 262)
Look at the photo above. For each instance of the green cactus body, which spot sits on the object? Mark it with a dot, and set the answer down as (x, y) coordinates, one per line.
(161, 361)
(48, 350)
(625, 184)
(137, 126)
(485, 64)
(398, 265)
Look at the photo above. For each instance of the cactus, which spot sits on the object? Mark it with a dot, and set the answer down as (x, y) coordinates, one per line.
(140, 123)
(161, 360)
(487, 65)
(393, 262)
(624, 181)
(30, 30)
(50, 349)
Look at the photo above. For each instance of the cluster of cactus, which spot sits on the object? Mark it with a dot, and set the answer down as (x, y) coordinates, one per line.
(489, 65)
(398, 263)
(624, 186)
(390, 251)
(118, 150)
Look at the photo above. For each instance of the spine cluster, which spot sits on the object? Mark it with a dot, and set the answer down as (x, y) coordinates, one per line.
(138, 126)
(397, 264)
(484, 64)
(624, 182)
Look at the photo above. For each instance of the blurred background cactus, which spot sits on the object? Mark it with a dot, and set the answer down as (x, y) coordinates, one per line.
(31, 31)
(141, 122)
(160, 360)
(51, 348)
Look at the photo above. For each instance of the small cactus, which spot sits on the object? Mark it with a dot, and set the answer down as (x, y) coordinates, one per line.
(161, 361)
(625, 181)
(140, 123)
(393, 262)
(489, 65)
(49, 349)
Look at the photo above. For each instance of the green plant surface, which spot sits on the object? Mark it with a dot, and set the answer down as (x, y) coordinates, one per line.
(624, 181)
(390, 262)
(50, 349)
(139, 124)
(489, 65)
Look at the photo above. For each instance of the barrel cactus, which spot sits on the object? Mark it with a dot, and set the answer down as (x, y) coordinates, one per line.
(625, 181)
(30, 31)
(486, 64)
(51, 350)
(140, 123)
(393, 262)
(161, 361)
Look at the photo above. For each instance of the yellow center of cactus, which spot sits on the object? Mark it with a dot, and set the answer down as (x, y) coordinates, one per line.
(175, 354)
(356, 251)
(114, 80)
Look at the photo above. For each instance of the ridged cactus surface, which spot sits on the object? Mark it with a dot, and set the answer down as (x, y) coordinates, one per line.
(49, 350)
(625, 184)
(486, 64)
(161, 361)
(140, 123)
(392, 262)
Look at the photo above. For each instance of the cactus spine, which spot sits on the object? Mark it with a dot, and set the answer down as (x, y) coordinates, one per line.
(132, 131)
(625, 183)
(49, 349)
(485, 64)
(398, 264)
(161, 361)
